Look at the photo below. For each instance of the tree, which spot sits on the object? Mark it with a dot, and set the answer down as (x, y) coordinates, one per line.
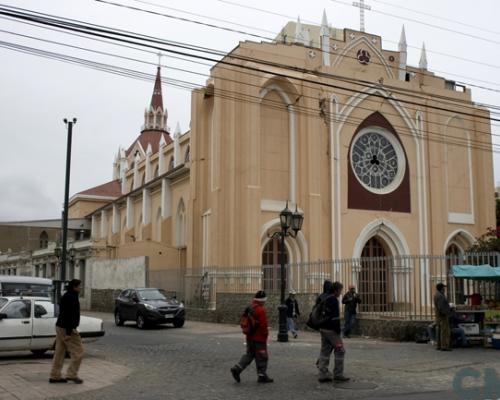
(487, 242)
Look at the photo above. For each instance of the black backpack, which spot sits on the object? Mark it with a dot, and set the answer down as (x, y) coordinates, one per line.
(318, 316)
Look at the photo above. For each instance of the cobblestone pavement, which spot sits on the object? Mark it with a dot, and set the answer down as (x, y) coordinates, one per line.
(193, 363)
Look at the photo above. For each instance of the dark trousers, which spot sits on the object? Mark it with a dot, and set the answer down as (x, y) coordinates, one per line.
(349, 322)
(257, 351)
(443, 332)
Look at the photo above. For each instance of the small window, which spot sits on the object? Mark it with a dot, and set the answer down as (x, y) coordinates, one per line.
(407, 77)
(18, 309)
(171, 163)
(44, 240)
(187, 156)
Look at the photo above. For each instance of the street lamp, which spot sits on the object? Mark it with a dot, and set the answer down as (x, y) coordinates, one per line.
(290, 224)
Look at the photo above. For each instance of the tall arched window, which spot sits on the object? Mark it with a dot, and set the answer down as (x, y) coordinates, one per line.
(187, 155)
(171, 163)
(180, 224)
(271, 266)
(44, 240)
(157, 172)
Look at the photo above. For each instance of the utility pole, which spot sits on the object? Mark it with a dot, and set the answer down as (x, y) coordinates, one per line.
(62, 268)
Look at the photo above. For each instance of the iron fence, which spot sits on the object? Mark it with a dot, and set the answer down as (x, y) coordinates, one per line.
(393, 287)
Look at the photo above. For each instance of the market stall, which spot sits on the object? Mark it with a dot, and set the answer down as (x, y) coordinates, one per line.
(481, 313)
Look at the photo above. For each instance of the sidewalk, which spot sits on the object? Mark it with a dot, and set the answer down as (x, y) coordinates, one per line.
(27, 378)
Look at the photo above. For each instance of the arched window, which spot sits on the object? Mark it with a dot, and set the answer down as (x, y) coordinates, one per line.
(171, 164)
(157, 172)
(271, 266)
(187, 155)
(180, 224)
(374, 285)
(44, 240)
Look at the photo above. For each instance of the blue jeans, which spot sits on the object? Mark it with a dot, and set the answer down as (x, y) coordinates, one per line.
(349, 322)
(290, 323)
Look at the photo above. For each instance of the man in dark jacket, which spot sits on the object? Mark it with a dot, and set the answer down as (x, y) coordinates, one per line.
(350, 300)
(292, 312)
(442, 313)
(256, 343)
(67, 337)
(330, 337)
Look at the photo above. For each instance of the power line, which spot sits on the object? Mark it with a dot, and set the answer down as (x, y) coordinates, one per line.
(310, 47)
(187, 71)
(240, 66)
(455, 31)
(435, 16)
(238, 96)
(387, 40)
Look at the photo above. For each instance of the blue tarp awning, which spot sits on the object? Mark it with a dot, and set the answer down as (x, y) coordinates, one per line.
(480, 272)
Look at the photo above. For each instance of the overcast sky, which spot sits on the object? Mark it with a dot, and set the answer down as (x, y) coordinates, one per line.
(37, 93)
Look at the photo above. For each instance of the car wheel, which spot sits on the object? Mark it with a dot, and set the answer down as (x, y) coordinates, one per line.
(141, 321)
(118, 319)
(39, 352)
(178, 323)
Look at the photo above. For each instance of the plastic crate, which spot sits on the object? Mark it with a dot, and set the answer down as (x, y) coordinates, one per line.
(495, 341)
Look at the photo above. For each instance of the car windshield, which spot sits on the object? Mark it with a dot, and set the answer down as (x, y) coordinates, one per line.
(151, 294)
(2, 302)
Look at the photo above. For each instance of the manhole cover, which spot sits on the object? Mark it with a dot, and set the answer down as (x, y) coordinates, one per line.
(353, 385)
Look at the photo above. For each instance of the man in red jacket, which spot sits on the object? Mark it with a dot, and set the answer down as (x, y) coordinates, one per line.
(256, 343)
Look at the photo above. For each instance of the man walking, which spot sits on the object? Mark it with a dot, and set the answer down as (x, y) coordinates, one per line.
(330, 337)
(67, 337)
(350, 300)
(256, 342)
(442, 313)
(292, 312)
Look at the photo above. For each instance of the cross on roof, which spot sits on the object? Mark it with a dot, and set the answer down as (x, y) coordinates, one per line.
(362, 7)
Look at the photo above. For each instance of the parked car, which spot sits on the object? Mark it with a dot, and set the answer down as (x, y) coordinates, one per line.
(148, 306)
(28, 323)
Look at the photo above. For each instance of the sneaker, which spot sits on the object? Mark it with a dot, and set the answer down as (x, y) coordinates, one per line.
(295, 336)
(75, 380)
(264, 379)
(324, 379)
(60, 380)
(341, 378)
(236, 371)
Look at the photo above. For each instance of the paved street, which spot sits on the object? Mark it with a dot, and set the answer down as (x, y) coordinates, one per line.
(193, 363)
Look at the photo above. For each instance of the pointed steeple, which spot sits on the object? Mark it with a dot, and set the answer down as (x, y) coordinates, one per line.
(423, 58)
(155, 117)
(402, 46)
(157, 99)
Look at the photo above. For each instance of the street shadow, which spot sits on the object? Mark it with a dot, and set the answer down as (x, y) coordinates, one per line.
(18, 356)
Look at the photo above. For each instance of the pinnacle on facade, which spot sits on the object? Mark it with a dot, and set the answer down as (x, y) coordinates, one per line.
(325, 31)
(402, 46)
(423, 58)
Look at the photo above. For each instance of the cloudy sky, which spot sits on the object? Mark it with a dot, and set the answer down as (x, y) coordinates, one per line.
(461, 37)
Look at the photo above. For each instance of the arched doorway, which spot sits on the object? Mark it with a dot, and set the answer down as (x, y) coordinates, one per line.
(271, 266)
(456, 287)
(374, 277)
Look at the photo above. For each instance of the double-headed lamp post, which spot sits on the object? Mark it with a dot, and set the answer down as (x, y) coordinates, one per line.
(290, 223)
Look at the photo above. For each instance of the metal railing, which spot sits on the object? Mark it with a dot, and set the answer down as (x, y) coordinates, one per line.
(393, 287)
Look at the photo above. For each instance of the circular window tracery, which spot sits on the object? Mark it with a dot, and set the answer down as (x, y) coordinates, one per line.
(377, 160)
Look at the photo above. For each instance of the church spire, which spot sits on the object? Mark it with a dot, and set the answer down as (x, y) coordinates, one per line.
(324, 38)
(155, 117)
(157, 99)
(402, 46)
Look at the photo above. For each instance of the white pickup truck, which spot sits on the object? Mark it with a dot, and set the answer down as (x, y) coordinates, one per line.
(28, 323)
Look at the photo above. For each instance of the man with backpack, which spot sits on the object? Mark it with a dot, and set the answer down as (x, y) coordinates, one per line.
(331, 339)
(254, 325)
